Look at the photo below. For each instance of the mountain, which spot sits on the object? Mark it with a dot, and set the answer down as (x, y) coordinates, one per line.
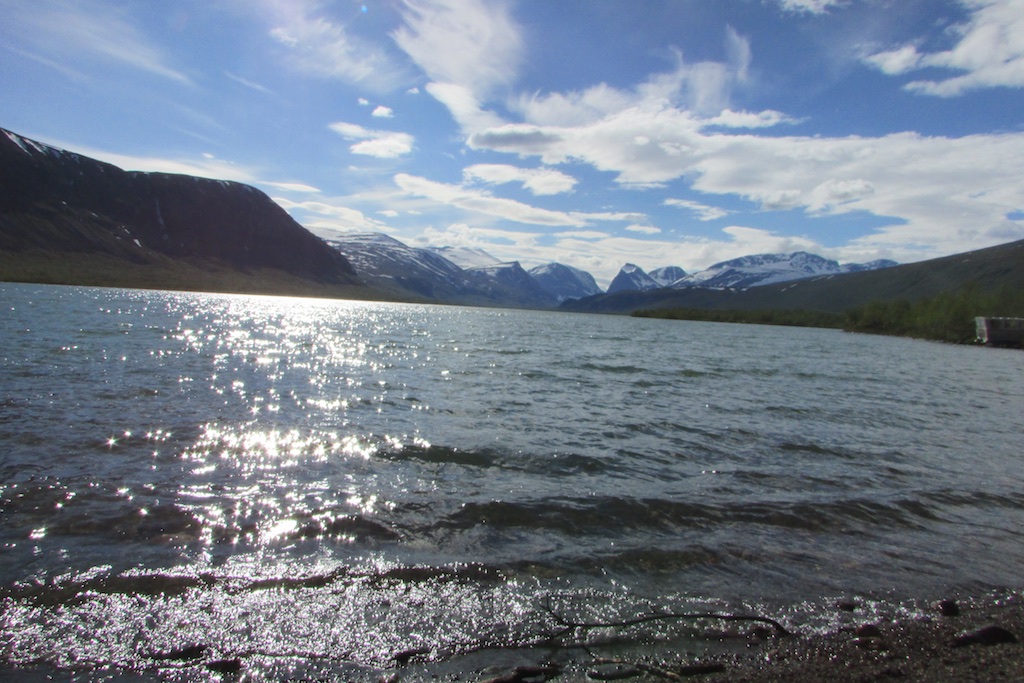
(987, 269)
(631, 277)
(512, 285)
(65, 217)
(765, 269)
(427, 274)
(564, 282)
(667, 275)
(466, 257)
(393, 266)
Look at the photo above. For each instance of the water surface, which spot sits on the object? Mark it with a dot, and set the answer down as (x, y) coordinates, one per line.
(311, 487)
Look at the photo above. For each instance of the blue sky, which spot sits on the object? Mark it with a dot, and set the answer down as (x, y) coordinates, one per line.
(589, 132)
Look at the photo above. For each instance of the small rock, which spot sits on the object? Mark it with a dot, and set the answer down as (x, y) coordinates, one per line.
(868, 631)
(986, 635)
(181, 654)
(847, 605)
(402, 658)
(875, 644)
(948, 608)
(225, 666)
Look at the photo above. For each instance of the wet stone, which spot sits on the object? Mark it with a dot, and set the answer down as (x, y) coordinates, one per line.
(986, 635)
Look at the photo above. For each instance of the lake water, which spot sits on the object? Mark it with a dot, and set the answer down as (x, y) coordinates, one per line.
(309, 487)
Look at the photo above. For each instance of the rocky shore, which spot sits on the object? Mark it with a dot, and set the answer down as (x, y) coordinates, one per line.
(959, 641)
(953, 641)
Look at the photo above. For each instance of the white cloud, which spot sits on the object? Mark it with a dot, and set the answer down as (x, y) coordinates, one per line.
(292, 187)
(895, 62)
(382, 144)
(475, 44)
(248, 83)
(702, 88)
(203, 166)
(989, 52)
(326, 218)
(482, 202)
(464, 107)
(744, 119)
(383, 112)
(322, 47)
(64, 32)
(951, 194)
(540, 181)
(810, 6)
(644, 229)
(703, 211)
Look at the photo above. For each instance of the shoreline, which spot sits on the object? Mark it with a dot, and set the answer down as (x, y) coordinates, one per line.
(964, 640)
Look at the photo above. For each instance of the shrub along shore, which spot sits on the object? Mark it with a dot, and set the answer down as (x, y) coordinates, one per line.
(948, 317)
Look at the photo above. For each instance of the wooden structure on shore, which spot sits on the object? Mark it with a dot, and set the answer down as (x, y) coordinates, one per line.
(1000, 331)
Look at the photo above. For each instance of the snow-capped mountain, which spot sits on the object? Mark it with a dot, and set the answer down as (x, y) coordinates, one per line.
(386, 262)
(667, 275)
(507, 280)
(565, 282)
(631, 277)
(466, 257)
(396, 267)
(870, 265)
(766, 269)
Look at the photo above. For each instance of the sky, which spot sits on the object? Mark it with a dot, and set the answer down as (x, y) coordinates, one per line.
(593, 133)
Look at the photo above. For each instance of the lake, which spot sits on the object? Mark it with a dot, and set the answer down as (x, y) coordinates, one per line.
(309, 488)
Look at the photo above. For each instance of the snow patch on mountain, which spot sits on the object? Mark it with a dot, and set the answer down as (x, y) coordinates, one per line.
(766, 269)
(565, 282)
(466, 257)
(667, 275)
(631, 277)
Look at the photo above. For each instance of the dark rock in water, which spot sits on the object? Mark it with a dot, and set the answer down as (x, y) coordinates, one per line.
(948, 608)
(847, 605)
(868, 631)
(402, 658)
(528, 674)
(986, 635)
(181, 654)
(225, 666)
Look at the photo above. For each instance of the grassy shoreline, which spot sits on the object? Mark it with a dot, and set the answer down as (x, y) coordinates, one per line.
(948, 317)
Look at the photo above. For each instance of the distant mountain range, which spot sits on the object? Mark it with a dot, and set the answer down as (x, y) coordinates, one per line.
(988, 270)
(473, 276)
(69, 219)
(459, 275)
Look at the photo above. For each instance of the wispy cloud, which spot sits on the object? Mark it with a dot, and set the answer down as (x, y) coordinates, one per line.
(950, 193)
(382, 144)
(253, 85)
(328, 218)
(810, 6)
(702, 211)
(989, 52)
(320, 45)
(475, 44)
(481, 202)
(85, 32)
(539, 181)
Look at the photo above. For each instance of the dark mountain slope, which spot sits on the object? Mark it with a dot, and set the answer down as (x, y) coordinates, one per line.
(57, 207)
(988, 269)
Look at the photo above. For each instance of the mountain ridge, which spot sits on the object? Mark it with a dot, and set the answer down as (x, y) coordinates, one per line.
(988, 269)
(58, 206)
